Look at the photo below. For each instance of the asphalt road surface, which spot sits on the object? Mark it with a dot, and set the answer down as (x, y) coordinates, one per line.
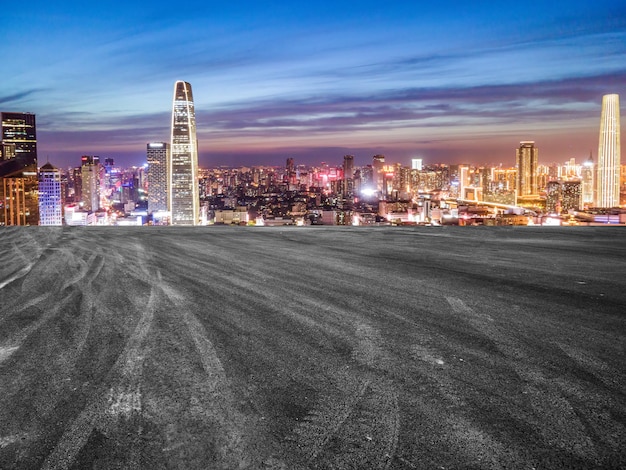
(313, 347)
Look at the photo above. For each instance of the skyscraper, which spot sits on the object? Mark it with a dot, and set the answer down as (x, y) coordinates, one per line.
(526, 162)
(608, 166)
(18, 169)
(158, 154)
(587, 176)
(90, 177)
(348, 175)
(378, 161)
(50, 203)
(184, 199)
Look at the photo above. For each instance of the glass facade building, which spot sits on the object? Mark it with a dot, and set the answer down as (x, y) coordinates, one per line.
(18, 169)
(50, 201)
(608, 165)
(526, 162)
(184, 200)
(158, 154)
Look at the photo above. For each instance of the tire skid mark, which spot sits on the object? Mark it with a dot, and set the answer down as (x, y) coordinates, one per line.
(359, 420)
(105, 408)
(6, 352)
(16, 306)
(369, 349)
(599, 419)
(48, 313)
(461, 308)
(223, 411)
(546, 399)
(323, 422)
(18, 275)
(33, 246)
(609, 376)
(549, 404)
(363, 427)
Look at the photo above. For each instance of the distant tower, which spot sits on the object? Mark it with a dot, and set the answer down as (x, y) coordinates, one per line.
(184, 198)
(290, 172)
(608, 166)
(378, 162)
(416, 164)
(587, 179)
(348, 175)
(526, 162)
(50, 202)
(158, 154)
(90, 183)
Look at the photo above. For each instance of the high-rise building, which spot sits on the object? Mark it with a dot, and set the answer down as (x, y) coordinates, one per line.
(416, 164)
(184, 200)
(378, 162)
(348, 175)
(90, 178)
(526, 162)
(50, 201)
(158, 154)
(18, 169)
(608, 165)
(571, 195)
(587, 181)
(290, 172)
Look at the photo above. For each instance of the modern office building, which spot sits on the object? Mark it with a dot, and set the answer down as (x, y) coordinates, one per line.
(18, 169)
(184, 200)
(608, 164)
(158, 155)
(571, 195)
(587, 175)
(526, 159)
(90, 183)
(348, 176)
(50, 200)
(378, 162)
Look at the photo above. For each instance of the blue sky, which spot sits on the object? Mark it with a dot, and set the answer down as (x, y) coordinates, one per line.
(446, 81)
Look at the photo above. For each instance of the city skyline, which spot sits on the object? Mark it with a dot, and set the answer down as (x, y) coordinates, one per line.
(446, 83)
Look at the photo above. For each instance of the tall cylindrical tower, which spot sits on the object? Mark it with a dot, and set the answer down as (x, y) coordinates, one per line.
(608, 166)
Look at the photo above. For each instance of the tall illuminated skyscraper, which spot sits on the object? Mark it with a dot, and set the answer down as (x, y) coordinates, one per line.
(18, 169)
(587, 177)
(50, 202)
(526, 162)
(348, 175)
(90, 176)
(158, 154)
(378, 161)
(184, 200)
(608, 166)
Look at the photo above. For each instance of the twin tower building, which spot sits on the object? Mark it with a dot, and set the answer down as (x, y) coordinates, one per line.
(173, 166)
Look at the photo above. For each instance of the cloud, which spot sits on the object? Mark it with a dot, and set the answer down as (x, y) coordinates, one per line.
(19, 96)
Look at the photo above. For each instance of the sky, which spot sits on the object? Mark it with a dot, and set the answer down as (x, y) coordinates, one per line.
(446, 81)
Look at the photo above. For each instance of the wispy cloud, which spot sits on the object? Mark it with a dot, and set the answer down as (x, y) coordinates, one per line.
(20, 96)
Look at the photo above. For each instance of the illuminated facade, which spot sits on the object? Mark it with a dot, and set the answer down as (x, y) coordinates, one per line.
(158, 155)
(587, 177)
(348, 175)
(378, 161)
(526, 162)
(184, 200)
(90, 183)
(50, 203)
(18, 169)
(608, 165)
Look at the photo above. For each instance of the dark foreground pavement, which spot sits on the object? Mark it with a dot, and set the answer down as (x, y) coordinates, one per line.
(328, 348)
